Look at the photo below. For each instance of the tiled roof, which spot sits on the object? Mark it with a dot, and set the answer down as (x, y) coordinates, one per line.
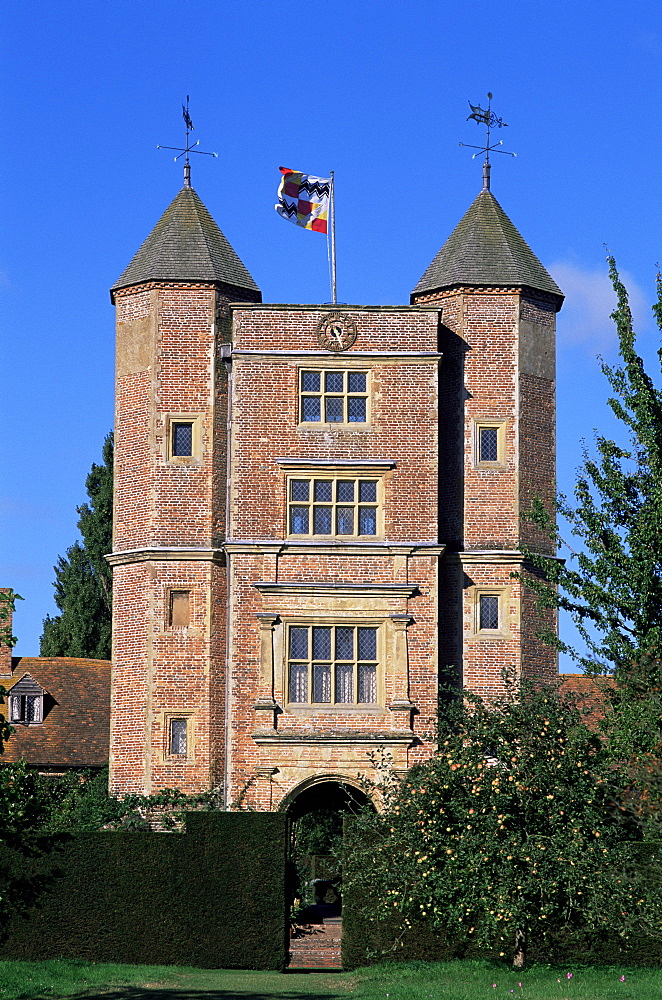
(588, 694)
(76, 726)
(485, 249)
(187, 245)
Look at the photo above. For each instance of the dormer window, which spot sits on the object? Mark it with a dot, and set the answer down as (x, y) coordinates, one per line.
(26, 702)
(26, 708)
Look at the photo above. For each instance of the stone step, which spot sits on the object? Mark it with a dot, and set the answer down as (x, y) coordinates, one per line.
(317, 947)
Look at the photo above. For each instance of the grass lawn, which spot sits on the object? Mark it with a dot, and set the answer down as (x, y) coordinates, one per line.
(413, 981)
(476, 980)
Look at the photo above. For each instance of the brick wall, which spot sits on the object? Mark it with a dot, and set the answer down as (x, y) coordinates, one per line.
(169, 521)
(449, 528)
(498, 367)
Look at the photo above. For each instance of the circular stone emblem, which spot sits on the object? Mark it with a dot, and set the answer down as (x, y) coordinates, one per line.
(336, 332)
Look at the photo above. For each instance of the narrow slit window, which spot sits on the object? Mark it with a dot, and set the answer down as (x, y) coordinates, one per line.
(179, 615)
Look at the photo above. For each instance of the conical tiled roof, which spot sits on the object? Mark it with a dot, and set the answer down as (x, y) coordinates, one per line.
(187, 245)
(485, 249)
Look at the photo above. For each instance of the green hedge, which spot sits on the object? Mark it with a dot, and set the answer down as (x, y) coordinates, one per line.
(367, 940)
(212, 897)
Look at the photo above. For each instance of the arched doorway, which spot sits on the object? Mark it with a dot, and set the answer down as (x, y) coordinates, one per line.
(317, 808)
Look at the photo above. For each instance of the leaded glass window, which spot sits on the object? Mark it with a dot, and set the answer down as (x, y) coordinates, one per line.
(333, 507)
(332, 664)
(182, 438)
(26, 708)
(334, 396)
(488, 441)
(488, 612)
(178, 737)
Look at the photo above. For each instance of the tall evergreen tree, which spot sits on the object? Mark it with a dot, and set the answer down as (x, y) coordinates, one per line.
(83, 578)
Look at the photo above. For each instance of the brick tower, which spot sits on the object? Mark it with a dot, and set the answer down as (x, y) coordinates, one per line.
(498, 443)
(169, 612)
(318, 510)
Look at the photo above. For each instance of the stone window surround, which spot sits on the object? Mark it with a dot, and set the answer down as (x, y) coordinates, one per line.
(330, 605)
(502, 593)
(195, 419)
(166, 718)
(175, 608)
(500, 426)
(344, 468)
(334, 477)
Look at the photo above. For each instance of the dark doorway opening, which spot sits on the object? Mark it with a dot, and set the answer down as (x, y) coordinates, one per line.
(317, 813)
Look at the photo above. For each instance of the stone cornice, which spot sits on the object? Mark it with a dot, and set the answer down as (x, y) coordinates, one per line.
(501, 556)
(363, 548)
(336, 589)
(311, 308)
(294, 462)
(160, 553)
(164, 553)
(422, 357)
(254, 545)
(338, 737)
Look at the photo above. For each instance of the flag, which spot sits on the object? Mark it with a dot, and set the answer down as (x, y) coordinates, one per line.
(304, 199)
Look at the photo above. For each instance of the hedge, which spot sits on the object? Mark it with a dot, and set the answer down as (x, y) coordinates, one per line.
(212, 897)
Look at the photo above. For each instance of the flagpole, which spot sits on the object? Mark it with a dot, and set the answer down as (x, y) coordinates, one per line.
(333, 239)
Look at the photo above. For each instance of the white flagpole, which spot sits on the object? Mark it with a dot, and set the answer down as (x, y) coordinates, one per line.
(333, 239)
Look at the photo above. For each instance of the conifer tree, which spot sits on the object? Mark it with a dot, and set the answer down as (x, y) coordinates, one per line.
(83, 578)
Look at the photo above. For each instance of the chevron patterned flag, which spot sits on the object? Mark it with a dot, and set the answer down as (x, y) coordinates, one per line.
(304, 199)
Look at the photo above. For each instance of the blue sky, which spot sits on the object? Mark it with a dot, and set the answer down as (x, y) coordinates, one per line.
(378, 92)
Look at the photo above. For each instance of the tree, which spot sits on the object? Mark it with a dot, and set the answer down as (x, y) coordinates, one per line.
(612, 586)
(611, 582)
(83, 578)
(508, 834)
(8, 598)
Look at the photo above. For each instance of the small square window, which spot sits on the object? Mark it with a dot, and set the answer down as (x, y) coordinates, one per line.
(489, 448)
(179, 609)
(182, 439)
(488, 612)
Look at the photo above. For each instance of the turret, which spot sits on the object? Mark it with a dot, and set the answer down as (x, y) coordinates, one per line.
(497, 397)
(170, 501)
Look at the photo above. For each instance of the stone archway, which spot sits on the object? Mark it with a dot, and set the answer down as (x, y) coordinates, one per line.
(332, 791)
(317, 807)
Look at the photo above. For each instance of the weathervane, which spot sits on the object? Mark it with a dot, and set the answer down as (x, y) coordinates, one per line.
(490, 121)
(189, 148)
